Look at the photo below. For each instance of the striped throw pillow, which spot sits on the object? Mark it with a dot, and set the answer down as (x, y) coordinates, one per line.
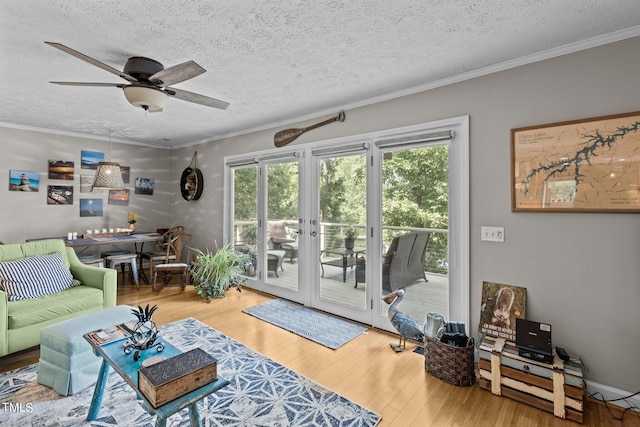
(35, 276)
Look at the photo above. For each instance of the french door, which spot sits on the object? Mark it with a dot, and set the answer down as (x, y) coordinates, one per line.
(338, 232)
(373, 188)
(265, 210)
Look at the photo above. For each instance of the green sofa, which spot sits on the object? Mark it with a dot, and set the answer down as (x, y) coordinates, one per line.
(21, 321)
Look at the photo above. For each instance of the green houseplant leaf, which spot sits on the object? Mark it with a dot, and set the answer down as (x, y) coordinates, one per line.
(214, 273)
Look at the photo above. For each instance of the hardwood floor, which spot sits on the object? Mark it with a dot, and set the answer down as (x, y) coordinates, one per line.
(365, 370)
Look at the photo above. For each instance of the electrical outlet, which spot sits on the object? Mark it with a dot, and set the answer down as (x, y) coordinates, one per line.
(492, 234)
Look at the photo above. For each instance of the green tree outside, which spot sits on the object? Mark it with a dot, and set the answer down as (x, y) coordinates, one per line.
(414, 194)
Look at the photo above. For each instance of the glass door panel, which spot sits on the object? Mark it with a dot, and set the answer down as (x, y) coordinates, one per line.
(341, 235)
(282, 213)
(415, 222)
(245, 215)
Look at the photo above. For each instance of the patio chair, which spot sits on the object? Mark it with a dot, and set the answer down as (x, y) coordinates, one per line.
(281, 238)
(274, 259)
(403, 263)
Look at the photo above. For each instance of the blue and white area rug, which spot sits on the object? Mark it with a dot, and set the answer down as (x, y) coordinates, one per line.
(261, 393)
(324, 329)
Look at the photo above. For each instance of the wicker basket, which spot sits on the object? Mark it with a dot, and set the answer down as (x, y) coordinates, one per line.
(451, 364)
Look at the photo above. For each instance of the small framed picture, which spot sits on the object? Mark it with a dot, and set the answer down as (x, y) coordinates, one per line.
(90, 159)
(60, 194)
(85, 183)
(144, 186)
(126, 173)
(61, 169)
(24, 181)
(501, 305)
(90, 207)
(119, 197)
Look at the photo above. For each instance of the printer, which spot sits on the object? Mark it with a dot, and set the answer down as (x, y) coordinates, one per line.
(533, 340)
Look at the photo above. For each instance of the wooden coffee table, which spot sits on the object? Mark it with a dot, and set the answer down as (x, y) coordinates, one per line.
(113, 356)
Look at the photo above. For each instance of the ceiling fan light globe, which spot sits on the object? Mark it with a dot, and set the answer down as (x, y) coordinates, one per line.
(145, 97)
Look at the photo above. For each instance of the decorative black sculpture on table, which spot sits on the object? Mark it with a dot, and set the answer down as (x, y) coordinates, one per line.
(144, 333)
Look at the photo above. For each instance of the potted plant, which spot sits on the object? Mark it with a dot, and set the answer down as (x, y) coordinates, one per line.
(350, 236)
(214, 273)
(132, 218)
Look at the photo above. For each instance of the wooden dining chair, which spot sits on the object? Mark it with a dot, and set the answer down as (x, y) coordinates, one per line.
(158, 254)
(172, 262)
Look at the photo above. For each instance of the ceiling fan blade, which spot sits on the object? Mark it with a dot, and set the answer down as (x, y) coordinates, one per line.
(89, 84)
(92, 61)
(177, 73)
(196, 98)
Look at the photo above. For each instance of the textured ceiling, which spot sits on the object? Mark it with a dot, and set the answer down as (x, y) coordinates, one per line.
(275, 62)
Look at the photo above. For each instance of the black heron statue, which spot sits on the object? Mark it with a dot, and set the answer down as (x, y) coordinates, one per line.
(406, 326)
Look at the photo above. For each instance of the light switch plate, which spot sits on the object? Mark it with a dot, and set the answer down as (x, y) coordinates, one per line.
(492, 234)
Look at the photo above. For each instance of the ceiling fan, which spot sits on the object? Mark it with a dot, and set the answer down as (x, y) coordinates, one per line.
(148, 81)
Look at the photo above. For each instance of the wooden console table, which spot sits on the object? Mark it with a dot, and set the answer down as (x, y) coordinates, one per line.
(558, 388)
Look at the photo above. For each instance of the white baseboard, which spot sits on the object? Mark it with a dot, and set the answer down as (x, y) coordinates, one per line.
(609, 393)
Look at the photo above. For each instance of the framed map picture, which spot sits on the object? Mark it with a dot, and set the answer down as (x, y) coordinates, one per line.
(590, 165)
(501, 305)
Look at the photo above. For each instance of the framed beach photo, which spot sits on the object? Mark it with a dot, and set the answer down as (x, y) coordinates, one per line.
(61, 169)
(60, 194)
(85, 183)
(144, 186)
(27, 181)
(119, 197)
(90, 207)
(126, 173)
(90, 159)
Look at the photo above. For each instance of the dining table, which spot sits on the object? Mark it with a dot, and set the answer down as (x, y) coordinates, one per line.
(118, 241)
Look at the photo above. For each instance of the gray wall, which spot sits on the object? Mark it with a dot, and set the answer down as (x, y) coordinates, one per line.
(25, 215)
(581, 271)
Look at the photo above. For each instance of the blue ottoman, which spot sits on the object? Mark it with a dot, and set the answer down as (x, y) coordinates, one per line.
(67, 363)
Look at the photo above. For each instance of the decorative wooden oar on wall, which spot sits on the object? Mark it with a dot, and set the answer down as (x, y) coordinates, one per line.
(284, 137)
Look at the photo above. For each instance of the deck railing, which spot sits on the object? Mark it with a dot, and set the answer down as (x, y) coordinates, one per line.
(332, 235)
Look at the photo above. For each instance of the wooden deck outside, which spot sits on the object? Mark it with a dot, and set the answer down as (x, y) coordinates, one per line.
(422, 297)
